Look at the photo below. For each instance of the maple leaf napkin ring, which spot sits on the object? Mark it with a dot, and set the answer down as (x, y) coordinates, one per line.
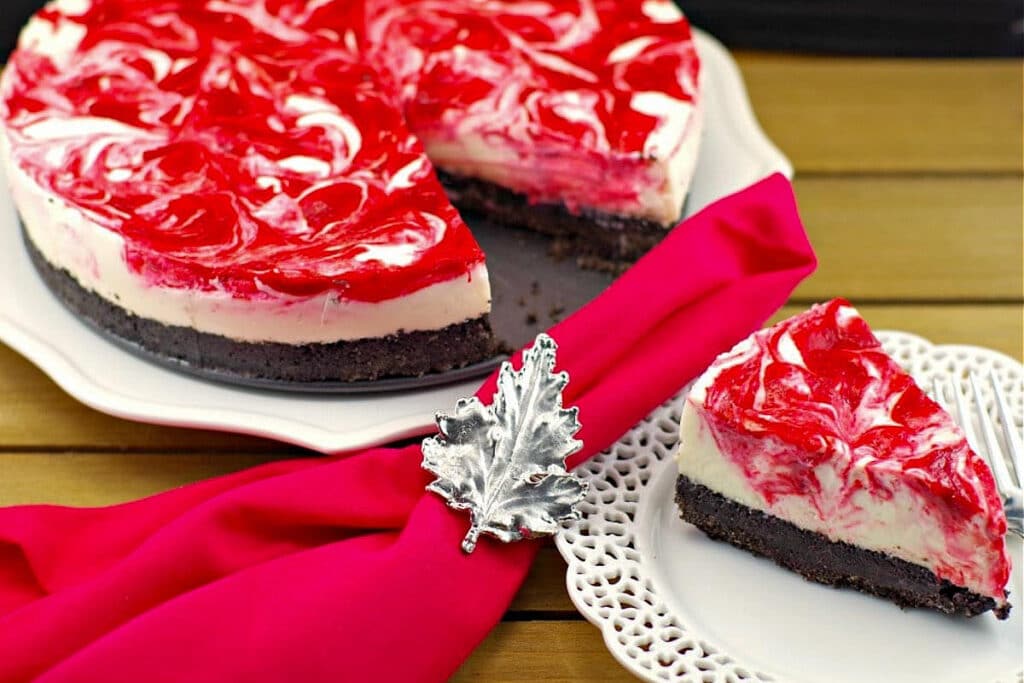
(505, 462)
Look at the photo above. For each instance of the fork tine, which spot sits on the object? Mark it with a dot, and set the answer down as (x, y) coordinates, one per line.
(993, 454)
(1013, 440)
(939, 393)
(964, 417)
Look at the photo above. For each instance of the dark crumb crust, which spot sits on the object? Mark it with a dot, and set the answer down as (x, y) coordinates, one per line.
(817, 558)
(601, 240)
(406, 354)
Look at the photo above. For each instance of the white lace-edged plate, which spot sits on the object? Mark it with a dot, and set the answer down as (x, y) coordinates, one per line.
(673, 605)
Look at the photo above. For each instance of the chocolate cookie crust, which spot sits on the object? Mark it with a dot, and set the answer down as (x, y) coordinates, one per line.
(589, 233)
(405, 354)
(817, 558)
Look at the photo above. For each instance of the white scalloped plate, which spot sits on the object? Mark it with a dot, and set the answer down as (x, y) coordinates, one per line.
(735, 153)
(673, 605)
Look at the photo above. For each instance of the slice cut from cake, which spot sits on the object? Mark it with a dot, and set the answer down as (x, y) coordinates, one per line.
(808, 444)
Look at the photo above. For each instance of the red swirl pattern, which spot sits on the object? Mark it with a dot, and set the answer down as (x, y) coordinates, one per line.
(553, 82)
(821, 386)
(259, 146)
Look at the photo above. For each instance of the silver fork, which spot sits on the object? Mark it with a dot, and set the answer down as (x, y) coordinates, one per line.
(1009, 484)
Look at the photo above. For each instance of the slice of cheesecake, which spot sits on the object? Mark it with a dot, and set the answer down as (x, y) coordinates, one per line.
(809, 445)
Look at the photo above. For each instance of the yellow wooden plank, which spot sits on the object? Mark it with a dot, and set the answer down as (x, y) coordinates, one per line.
(88, 479)
(550, 651)
(860, 114)
(999, 327)
(544, 588)
(914, 238)
(36, 412)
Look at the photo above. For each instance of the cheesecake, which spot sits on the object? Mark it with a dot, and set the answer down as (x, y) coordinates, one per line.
(809, 445)
(272, 189)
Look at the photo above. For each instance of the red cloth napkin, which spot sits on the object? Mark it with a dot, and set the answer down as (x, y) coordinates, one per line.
(344, 568)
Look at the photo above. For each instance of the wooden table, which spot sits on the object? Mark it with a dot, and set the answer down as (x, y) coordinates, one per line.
(909, 177)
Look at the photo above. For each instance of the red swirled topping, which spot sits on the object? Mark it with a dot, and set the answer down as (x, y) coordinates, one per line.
(255, 145)
(231, 149)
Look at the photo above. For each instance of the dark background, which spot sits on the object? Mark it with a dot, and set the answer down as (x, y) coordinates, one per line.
(924, 28)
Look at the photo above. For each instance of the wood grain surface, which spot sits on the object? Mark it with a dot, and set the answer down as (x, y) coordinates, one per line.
(909, 178)
(864, 115)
